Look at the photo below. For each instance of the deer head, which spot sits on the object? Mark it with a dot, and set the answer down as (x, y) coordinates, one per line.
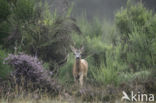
(77, 52)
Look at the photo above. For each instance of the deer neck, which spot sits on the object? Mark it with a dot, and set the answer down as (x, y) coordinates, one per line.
(78, 65)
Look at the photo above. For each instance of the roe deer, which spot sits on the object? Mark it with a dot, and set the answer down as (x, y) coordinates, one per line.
(80, 67)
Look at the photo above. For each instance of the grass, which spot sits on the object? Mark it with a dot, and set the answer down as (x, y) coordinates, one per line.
(65, 72)
(104, 75)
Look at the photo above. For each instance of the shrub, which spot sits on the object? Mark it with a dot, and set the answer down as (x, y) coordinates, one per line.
(26, 66)
(4, 15)
(127, 18)
(31, 70)
(128, 77)
(4, 10)
(65, 72)
(104, 75)
(134, 24)
(24, 10)
(4, 68)
(37, 31)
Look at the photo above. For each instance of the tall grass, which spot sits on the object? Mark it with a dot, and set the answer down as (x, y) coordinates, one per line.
(65, 72)
(4, 68)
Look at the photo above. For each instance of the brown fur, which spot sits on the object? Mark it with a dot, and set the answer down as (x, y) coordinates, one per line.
(80, 70)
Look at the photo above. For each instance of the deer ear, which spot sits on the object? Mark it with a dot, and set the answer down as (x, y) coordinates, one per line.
(82, 49)
(72, 48)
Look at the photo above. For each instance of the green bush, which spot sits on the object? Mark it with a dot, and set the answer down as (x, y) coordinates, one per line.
(115, 52)
(4, 10)
(65, 72)
(104, 75)
(135, 25)
(134, 15)
(4, 31)
(37, 31)
(4, 15)
(128, 77)
(25, 10)
(4, 68)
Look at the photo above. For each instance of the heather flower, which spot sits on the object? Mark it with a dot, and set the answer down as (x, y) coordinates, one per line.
(31, 69)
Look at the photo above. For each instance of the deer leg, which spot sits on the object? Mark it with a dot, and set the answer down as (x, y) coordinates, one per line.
(76, 80)
(81, 79)
(85, 79)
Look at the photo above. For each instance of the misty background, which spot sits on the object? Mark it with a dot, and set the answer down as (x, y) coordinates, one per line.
(99, 8)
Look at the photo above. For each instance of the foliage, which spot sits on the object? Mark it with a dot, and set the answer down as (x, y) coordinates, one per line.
(128, 49)
(4, 68)
(104, 75)
(4, 10)
(129, 77)
(4, 14)
(36, 31)
(25, 10)
(30, 69)
(133, 15)
(97, 52)
(65, 72)
(134, 24)
(4, 28)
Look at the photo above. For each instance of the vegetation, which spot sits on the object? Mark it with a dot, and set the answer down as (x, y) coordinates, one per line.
(121, 55)
(4, 68)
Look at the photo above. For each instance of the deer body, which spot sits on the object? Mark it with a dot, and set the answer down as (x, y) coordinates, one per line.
(80, 70)
(80, 67)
